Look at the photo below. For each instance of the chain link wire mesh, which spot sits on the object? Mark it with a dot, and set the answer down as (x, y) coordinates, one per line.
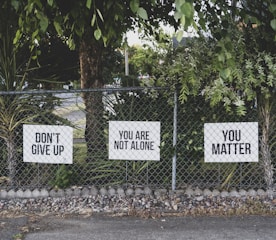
(89, 113)
(191, 166)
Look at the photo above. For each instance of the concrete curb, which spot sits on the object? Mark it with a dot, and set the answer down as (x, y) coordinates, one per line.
(110, 191)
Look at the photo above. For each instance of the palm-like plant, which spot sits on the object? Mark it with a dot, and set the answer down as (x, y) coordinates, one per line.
(12, 116)
(14, 109)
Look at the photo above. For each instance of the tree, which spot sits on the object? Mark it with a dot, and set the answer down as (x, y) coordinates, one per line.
(13, 110)
(239, 65)
(21, 70)
(90, 26)
(241, 68)
(259, 77)
(249, 68)
(143, 61)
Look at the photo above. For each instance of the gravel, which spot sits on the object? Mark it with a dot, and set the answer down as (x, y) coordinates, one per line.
(141, 201)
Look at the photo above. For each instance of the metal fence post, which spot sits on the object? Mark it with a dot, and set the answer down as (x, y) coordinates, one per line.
(183, 166)
(174, 140)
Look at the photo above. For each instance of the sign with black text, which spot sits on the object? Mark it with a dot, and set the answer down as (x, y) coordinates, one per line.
(47, 144)
(134, 140)
(231, 142)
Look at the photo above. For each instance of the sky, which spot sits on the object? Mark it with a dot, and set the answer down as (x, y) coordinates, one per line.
(133, 36)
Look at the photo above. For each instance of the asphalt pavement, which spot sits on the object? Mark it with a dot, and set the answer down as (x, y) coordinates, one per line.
(102, 227)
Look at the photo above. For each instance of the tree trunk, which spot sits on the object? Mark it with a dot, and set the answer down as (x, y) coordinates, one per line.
(90, 54)
(264, 108)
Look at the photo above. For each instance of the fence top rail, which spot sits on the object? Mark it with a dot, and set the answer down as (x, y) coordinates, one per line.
(105, 89)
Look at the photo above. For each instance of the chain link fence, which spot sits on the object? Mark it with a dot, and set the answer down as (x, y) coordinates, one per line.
(179, 160)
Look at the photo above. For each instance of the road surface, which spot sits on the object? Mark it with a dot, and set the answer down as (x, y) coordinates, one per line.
(173, 228)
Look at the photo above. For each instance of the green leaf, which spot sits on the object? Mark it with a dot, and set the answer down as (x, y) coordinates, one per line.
(50, 2)
(179, 35)
(58, 27)
(100, 15)
(88, 4)
(183, 20)
(15, 4)
(221, 57)
(134, 5)
(225, 73)
(142, 13)
(93, 20)
(105, 39)
(273, 24)
(272, 8)
(71, 43)
(17, 36)
(43, 23)
(178, 4)
(177, 15)
(187, 9)
(97, 34)
(34, 34)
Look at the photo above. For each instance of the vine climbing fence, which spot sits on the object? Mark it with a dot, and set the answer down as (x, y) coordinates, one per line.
(179, 157)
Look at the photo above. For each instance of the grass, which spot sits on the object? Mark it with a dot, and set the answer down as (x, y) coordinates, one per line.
(80, 129)
(80, 124)
(79, 152)
(18, 236)
(61, 111)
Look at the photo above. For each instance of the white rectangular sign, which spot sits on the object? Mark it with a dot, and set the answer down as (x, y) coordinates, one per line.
(134, 140)
(231, 142)
(48, 144)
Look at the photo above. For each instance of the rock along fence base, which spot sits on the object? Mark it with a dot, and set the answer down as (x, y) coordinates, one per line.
(138, 201)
